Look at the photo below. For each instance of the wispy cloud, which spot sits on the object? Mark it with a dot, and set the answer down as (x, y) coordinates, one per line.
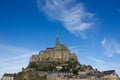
(18, 58)
(96, 60)
(80, 50)
(73, 47)
(12, 58)
(14, 64)
(4, 48)
(74, 17)
(98, 63)
(111, 47)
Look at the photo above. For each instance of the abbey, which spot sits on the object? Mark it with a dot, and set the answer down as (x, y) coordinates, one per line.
(58, 53)
(58, 63)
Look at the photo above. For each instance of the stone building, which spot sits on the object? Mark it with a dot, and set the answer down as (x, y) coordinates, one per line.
(58, 53)
(8, 76)
(105, 75)
(110, 75)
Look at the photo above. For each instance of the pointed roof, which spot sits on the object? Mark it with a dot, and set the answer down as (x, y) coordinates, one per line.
(57, 39)
(57, 43)
(59, 46)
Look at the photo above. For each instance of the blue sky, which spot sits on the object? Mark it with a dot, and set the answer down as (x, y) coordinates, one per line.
(89, 28)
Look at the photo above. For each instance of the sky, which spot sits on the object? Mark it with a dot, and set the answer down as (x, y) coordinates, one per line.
(90, 29)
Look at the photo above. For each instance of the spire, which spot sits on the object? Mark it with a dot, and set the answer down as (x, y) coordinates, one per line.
(57, 43)
(57, 39)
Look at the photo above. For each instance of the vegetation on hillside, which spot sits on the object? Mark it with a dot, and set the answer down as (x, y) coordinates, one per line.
(32, 72)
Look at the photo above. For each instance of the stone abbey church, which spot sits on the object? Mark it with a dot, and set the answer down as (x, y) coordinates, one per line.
(58, 53)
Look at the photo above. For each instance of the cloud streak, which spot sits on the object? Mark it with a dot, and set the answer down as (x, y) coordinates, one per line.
(12, 49)
(98, 63)
(96, 60)
(111, 46)
(74, 17)
(13, 58)
(13, 64)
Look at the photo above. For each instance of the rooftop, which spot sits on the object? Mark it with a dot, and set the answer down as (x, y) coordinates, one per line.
(8, 75)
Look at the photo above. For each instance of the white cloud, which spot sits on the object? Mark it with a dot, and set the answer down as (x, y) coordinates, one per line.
(96, 60)
(12, 49)
(111, 47)
(17, 58)
(14, 64)
(12, 58)
(74, 47)
(98, 63)
(78, 50)
(72, 15)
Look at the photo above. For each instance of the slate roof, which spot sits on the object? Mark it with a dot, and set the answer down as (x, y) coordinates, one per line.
(109, 72)
(8, 75)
